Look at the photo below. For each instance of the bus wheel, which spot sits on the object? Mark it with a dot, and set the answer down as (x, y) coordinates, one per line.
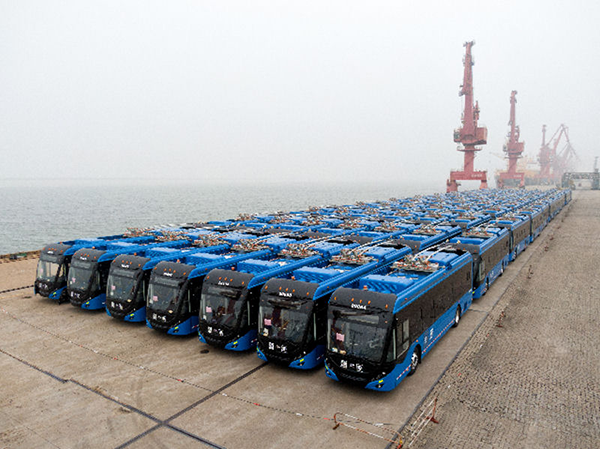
(502, 269)
(414, 362)
(63, 297)
(456, 317)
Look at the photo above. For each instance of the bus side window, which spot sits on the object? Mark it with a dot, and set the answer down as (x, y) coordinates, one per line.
(391, 355)
(320, 322)
(140, 298)
(194, 298)
(398, 337)
(248, 319)
(62, 271)
(403, 336)
(311, 332)
(103, 273)
(481, 276)
(253, 298)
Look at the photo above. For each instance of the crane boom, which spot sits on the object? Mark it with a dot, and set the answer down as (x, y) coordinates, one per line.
(553, 163)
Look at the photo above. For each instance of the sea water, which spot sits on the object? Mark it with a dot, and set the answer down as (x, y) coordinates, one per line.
(34, 213)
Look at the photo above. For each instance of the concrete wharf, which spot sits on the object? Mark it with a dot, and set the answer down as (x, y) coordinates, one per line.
(72, 378)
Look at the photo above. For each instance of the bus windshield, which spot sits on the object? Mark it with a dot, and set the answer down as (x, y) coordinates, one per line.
(120, 284)
(284, 321)
(358, 335)
(162, 293)
(221, 306)
(47, 271)
(80, 275)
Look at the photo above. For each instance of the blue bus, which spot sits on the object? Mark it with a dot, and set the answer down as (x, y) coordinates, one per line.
(293, 312)
(519, 229)
(489, 247)
(378, 333)
(129, 277)
(55, 261)
(428, 235)
(229, 300)
(88, 273)
(175, 287)
(537, 222)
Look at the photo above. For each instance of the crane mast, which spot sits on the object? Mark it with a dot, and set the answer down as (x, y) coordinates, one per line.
(545, 157)
(470, 134)
(513, 149)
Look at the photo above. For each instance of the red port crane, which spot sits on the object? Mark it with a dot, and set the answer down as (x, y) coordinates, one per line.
(545, 158)
(553, 164)
(566, 158)
(513, 150)
(470, 134)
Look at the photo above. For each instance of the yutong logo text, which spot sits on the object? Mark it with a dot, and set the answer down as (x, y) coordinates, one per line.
(358, 306)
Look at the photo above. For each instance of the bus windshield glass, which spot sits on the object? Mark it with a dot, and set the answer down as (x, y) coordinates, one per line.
(358, 335)
(284, 320)
(47, 271)
(80, 275)
(221, 306)
(120, 284)
(162, 293)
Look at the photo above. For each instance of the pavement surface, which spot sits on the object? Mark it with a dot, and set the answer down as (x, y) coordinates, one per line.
(73, 378)
(530, 377)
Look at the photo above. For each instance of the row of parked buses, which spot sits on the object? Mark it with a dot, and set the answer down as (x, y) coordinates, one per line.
(365, 289)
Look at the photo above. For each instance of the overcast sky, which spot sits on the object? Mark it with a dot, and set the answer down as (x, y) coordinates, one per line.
(272, 90)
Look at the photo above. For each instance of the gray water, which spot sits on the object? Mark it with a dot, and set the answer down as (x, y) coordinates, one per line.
(36, 213)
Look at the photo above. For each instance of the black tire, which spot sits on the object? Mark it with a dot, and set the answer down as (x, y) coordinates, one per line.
(63, 297)
(414, 362)
(456, 317)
